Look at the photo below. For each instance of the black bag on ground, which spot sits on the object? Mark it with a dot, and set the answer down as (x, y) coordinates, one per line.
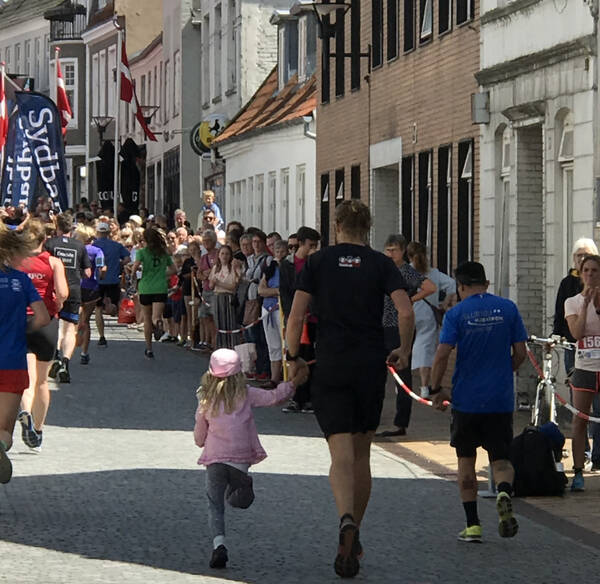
(532, 457)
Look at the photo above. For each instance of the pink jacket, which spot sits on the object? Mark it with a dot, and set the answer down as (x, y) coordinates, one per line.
(233, 437)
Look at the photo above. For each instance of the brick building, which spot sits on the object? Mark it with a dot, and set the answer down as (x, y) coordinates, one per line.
(401, 137)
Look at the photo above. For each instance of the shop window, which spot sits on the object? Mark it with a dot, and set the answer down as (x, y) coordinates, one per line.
(444, 209)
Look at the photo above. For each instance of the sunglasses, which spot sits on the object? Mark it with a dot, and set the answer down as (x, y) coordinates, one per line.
(293, 246)
(209, 218)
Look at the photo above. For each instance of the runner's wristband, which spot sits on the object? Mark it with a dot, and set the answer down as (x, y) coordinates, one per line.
(289, 357)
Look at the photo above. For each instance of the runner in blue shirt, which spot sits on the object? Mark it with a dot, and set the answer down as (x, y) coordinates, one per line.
(16, 294)
(489, 337)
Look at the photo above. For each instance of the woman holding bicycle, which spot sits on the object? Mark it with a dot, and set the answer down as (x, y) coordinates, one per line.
(582, 313)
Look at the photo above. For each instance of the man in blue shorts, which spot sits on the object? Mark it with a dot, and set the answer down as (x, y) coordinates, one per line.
(489, 335)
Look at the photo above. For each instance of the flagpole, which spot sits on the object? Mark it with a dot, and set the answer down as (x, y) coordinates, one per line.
(117, 117)
(6, 114)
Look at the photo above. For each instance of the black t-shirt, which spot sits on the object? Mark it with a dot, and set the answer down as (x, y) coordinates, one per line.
(348, 284)
(74, 256)
(186, 283)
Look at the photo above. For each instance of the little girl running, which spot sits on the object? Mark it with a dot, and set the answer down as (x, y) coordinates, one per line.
(225, 428)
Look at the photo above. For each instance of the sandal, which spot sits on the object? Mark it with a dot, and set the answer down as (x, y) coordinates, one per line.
(346, 563)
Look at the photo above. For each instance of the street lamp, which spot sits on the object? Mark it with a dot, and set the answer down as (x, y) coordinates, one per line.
(101, 123)
(148, 112)
(321, 10)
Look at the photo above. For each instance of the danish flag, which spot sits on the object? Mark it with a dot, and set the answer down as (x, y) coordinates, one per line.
(3, 112)
(128, 94)
(62, 100)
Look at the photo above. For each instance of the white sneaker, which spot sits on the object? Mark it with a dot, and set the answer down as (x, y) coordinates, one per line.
(424, 392)
(165, 337)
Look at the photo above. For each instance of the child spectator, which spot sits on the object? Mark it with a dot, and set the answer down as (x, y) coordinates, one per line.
(210, 205)
(225, 429)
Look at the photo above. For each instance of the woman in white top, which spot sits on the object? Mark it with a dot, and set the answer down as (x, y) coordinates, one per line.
(426, 326)
(583, 317)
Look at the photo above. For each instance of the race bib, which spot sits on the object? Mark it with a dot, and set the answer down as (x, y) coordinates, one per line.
(589, 347)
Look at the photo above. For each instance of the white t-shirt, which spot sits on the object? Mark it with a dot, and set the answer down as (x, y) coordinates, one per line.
(587, 356)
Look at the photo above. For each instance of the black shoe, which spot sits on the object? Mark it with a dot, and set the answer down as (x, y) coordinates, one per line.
(148, 354)
(158, 330)
(346, 563)
(84, 359)
(102, 342)
(390, 433)
(219, 557)
(63, 374)
(28, 434)
(307, 408)
(595, 466)
(53, 371)
(292, 408)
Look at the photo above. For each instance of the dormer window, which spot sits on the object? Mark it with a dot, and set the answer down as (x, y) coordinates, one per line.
(287, 45)
(307, 46)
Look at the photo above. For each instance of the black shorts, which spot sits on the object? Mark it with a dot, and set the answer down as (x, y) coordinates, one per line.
(70, 309)
(494, 432)
(110, 291)
(88, 296)
(149, 299)
(349, 398)
(582, 380)
(42, 343)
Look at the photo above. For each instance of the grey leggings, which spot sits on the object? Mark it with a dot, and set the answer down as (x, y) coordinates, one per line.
(224, 482)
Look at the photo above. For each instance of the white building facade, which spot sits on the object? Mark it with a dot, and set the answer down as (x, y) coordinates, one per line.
(539, 68)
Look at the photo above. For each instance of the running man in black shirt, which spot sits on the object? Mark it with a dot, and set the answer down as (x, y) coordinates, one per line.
(346, 284)
(77, 263)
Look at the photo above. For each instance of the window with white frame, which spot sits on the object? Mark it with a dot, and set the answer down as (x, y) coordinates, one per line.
(465, 10)
(565, 160)
(307, 46)
(167, 94)
(112, 80)
(148, 98)
(95, 85)
(8, 57)
(239, 188)
(232, 45)
(161, 93)
(206, 60)
(102, 83)
(444, 16)
(426, 15)
(285, 199)
(259, 199)
(300, 195)
(27, 67)
(249, 214)
(69, 69)
(176, 84)
(288, 51)
(18, 68)
(36, 63)
(272, 201)
(218, 51)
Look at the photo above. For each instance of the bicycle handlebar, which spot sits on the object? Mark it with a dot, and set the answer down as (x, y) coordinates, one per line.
(554, 341)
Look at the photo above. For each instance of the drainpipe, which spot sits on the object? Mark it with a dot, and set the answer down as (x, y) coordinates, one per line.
(307, 121)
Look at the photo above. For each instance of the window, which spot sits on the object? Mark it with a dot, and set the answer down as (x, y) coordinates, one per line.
(339, 186)
(355, 182)
(27, 58)
(155, 90)
(377, 32)
(150, 188)
(325, 209)
(426, 14)
(149, 96)
(285, 199)
(307, 50)
(102, 84)
(444, 15)
(465, 10)
(206, 60)
(218, 36)
(177, 84)
(112, 79)
(565, 150)
(249, 200)
(565, 159)
(355, 44)
(18, 66)
(392, 29)
(167, 94)
(300, 195)
(288, 51)
(7, 57)
(407, 196)
(465, 201)
(340, 48)
(444, 210)
(272, 193)
(37, 57)
(95, 85)
(69, 73)
(232, 46)
(425, 193)
(409, 25)
(258, 206)
(325, 65)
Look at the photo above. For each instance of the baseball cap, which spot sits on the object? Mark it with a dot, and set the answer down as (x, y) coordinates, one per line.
(224, 363)
(103, 227)
(136, 219)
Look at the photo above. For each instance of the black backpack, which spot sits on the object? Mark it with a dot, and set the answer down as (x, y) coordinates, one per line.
(532, 457)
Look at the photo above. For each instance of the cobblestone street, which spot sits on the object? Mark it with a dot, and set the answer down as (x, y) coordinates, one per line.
(116, 496)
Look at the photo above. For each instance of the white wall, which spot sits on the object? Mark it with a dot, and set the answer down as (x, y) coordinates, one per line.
(271, 152)
(538, 27)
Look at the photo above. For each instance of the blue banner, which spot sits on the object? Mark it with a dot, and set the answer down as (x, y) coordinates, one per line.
(6, 186)
(40, 125)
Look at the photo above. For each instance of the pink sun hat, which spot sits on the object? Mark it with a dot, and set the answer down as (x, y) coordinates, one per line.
(224, 363)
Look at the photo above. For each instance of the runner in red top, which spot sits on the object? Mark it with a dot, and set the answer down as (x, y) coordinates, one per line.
(47, 274)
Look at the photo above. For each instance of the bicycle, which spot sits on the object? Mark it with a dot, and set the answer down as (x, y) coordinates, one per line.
(545, 401)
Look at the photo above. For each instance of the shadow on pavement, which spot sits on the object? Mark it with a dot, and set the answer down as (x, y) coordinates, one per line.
(157, 518)
(122, 389)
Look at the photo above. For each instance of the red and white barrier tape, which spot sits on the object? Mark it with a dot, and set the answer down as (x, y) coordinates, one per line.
(561, 400)
(246, 327)
(409, 391)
